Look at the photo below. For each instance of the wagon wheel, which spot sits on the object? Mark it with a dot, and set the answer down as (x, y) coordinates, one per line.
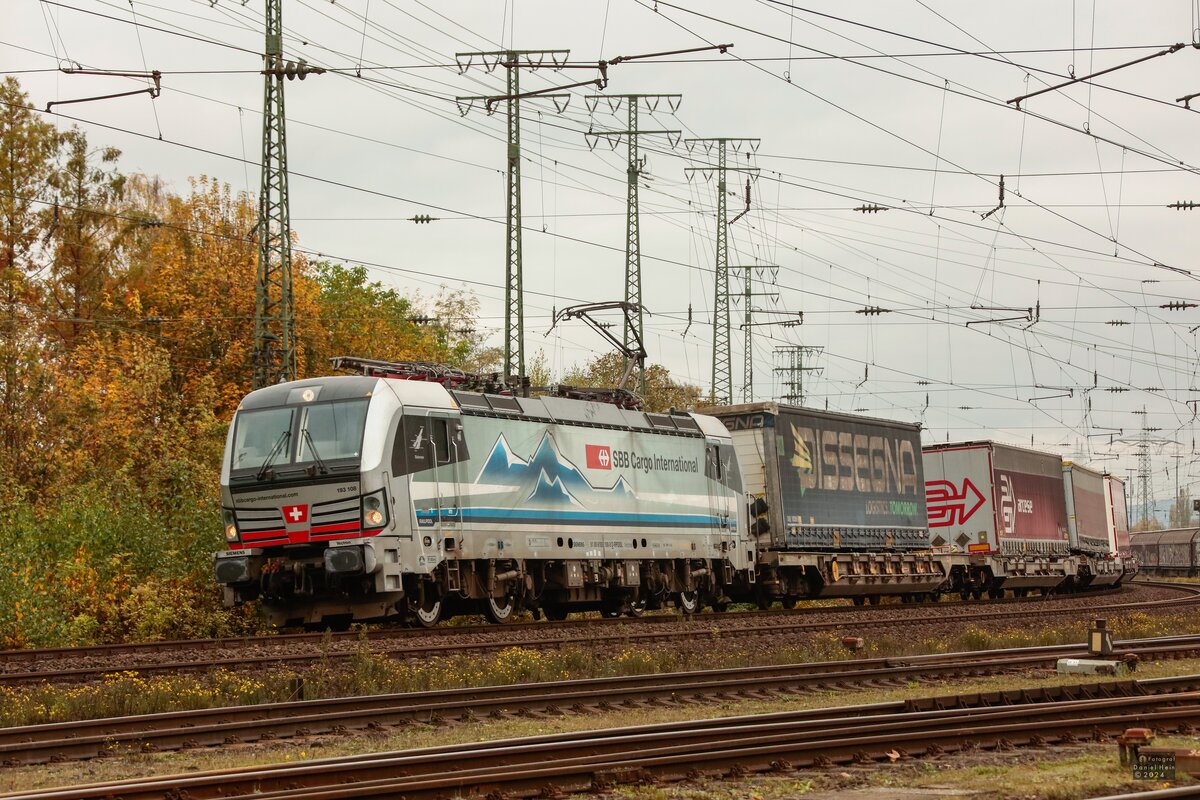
(637, 605)
(688, 602)
(427, 613)
(499, 610)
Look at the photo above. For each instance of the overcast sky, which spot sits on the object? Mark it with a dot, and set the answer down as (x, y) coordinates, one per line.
(900, 104)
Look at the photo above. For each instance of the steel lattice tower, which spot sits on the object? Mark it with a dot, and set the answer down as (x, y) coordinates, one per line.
(1145, 477)
(722, 355)
(514, 294)
(635, 166)
(791, 366)
(274, 321)
(748, 295)
(514, 285)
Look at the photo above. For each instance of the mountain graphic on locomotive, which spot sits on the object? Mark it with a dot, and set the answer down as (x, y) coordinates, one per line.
(396, 493)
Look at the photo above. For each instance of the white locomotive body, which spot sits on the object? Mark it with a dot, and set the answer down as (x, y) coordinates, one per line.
(355, 498)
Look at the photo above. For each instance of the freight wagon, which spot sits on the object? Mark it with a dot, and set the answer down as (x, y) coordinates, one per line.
(1118, 524)
(1005, 508)
(1089, 526)
(837, 503)
(1169, 553)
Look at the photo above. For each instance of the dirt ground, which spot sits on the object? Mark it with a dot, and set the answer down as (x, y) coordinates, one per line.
(1047, 773)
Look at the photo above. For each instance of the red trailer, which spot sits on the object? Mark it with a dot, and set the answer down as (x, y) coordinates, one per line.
(1089, 525)
(1004, 506)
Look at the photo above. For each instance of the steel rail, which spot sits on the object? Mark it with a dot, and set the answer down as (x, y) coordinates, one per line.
(20, 655)
(58, 741)
(686, 630)
(583, 760)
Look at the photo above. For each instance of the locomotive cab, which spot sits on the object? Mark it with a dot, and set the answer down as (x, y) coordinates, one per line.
(315, 505)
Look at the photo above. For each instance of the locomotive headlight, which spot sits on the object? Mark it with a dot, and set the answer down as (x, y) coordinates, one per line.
(374, 510)
(231, 531)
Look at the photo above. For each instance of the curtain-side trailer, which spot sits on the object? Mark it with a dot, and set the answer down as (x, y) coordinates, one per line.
(1005, 507)
(1088, 526)
(1117, 518)
(837, 502)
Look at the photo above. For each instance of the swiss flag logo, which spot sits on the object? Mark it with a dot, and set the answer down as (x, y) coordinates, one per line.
(599, 456)
(294, 515)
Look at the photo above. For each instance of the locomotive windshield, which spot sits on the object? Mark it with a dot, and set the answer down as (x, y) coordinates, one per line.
(320, 433)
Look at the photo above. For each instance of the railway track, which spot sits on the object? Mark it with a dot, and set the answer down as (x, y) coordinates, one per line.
(11, 657)
(405, 644)
(546, 765)
(216, 726)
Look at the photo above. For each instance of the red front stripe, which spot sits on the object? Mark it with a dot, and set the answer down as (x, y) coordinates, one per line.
(255, 535)
(338, 527)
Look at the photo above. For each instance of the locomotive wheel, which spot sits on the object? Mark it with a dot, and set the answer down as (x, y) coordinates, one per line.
(859, 601)
(637, 606)
(688, 602)
(499, 611)
(874, 599)
(428, 614)
(788, 602)
(610, 612)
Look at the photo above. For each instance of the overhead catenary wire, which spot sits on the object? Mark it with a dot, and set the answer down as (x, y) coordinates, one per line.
(758, 244)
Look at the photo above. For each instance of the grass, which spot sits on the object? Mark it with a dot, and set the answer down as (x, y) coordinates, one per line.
(365, 673)
(416, 735)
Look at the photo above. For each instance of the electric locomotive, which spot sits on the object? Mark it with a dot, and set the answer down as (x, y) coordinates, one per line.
(365, 497)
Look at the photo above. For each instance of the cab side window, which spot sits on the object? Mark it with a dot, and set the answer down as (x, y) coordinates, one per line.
(423, 442)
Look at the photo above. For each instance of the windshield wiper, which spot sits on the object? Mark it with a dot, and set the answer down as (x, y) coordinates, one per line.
(262, 471)
(316, 456)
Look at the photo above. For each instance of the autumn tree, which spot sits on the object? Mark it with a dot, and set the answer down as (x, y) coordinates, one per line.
(361, 317)
(27, 149)
(1180, 514)
(127, 316)
(190, 285)
(1146, 524)
(85, 232)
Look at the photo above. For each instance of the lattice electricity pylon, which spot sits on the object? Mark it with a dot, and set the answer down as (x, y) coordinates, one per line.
(1145, 476)
(722, 358)
(747, 299)
(634, 170)
(274, 358)
(513, 61)
(791, 365)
